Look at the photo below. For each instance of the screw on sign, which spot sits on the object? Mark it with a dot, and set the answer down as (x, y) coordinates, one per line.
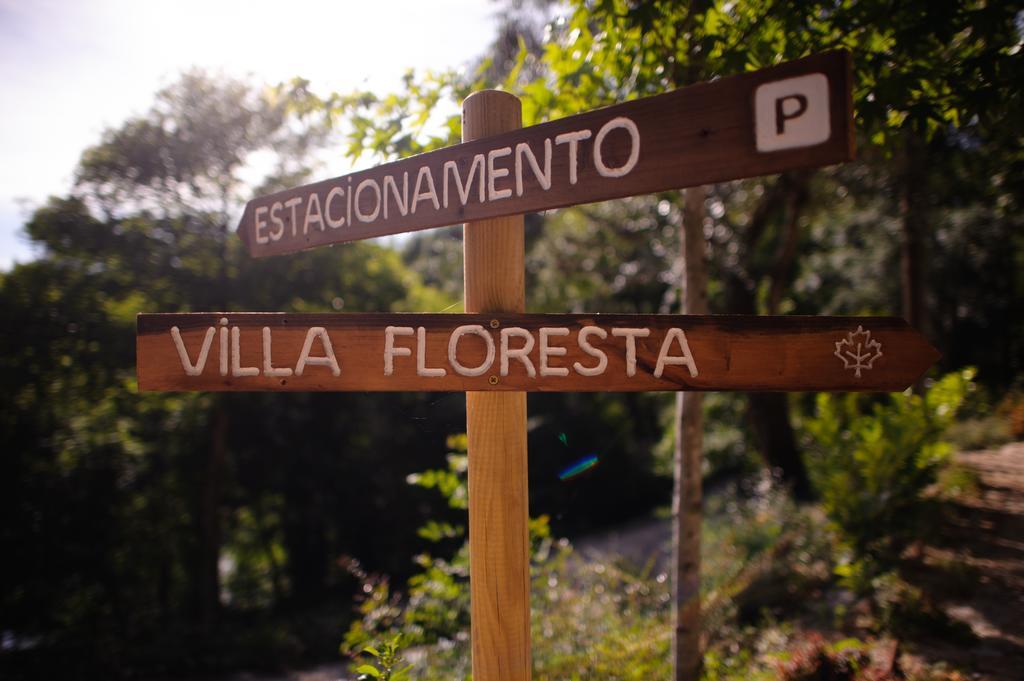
(794, 115)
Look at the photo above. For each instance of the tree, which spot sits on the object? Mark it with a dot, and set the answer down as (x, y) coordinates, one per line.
(117, 506)
(182, 164)
(909, 64)
(909, 68)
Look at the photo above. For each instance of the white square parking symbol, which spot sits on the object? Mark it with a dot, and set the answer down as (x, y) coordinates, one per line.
(792, 113)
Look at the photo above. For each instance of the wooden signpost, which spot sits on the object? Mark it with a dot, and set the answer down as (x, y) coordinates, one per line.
(794, 115)
(526, 352)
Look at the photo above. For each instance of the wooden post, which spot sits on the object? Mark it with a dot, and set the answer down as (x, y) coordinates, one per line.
(499, 569)
(687, 498)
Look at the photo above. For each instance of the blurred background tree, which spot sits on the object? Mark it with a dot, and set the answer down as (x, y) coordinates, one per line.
(123, 511)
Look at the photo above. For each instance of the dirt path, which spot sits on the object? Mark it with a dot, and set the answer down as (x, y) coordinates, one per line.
(978, 559)
(973, 570)
(327, 672)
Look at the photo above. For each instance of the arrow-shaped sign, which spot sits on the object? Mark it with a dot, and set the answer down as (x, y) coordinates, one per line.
(794, 115)
(534, 352)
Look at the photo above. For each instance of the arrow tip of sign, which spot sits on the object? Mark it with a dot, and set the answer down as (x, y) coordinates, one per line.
(929, 355)
(243, 233)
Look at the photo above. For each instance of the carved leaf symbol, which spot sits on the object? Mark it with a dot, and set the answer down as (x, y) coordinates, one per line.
(858, 350)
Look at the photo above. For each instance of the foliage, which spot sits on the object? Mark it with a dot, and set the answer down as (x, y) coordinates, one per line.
(107, 496)
(386, 663)
(957, 480)
(726, 456)
(597, 619)
(799, 243)
(592, 617)
(872, 461)
(114, 503)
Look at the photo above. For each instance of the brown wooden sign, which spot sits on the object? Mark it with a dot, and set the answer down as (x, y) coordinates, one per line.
(794, 115)
(533, 352)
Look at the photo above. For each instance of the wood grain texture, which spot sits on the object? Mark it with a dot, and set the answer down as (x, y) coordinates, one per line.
(499, 542)
(746, 353)
(696, 135)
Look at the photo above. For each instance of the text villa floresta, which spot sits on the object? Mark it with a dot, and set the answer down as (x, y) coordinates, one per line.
(404, 348)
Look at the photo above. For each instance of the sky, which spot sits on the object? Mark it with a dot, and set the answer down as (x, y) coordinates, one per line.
(69, 69)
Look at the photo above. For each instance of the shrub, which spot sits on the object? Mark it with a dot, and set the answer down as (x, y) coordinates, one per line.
(872, 459)
(386, 663)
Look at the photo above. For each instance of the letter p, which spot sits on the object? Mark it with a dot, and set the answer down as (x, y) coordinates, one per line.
(782, 115)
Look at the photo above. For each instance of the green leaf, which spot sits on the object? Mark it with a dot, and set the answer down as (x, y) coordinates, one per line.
(368, 671)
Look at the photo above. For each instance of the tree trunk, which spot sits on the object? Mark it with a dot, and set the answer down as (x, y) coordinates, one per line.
(212, 483)
(768, 413)
(912, 250)
(784, 268)
(209, 522)
(769, 416)
(687, 496)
